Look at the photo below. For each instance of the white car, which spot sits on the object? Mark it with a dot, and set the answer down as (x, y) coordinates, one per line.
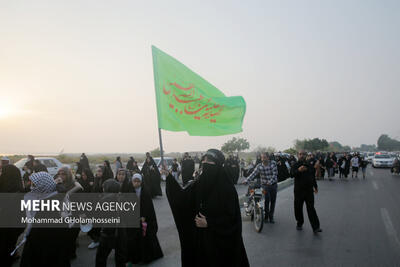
(369, 156)
(52, 164)
(382, 160)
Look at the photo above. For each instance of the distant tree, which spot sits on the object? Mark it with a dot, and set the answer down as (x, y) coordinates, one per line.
(335, 146)
(314, 144)
(228, 147)
(365, 147)
(347, 149)
(299, 144)
(235, 145)
(388, 144)
(156, 152)
(290, 151)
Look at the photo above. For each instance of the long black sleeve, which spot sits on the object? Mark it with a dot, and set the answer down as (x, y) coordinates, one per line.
(303, 180)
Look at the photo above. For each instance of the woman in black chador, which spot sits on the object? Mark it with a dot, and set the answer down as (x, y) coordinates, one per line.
(152, 177)
(283, 172)
(10, 182)
(143, 245)
(208, 218)
(107, 173)
(45, 247)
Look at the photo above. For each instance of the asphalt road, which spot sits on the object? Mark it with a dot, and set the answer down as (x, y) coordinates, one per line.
(360, 221)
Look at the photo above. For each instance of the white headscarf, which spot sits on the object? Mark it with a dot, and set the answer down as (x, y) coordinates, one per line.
(138, 190)
(137, 176)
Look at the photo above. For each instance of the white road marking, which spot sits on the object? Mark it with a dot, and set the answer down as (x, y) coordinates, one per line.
(389, 226)
(371, 173)
(375, 185)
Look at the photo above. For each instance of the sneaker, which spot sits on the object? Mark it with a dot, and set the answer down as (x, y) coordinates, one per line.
(316, 231)
(93, 245)
(272, 221)
(299, 227)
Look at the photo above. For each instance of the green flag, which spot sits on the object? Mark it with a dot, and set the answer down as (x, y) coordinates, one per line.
(187, 102)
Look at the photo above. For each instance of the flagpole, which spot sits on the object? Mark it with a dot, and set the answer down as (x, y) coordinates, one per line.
(161, 148)
(158, 112)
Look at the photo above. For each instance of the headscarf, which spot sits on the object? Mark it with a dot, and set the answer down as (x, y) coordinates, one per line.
(216, 156)
(108, 173)
(5, 161)
(70, 181)
(44, 183)
(108, 165)
(87, 187)
(44, 188)
(125, 183)
(10, 179)
(121, 170)
(151, 163)
(111, 186)
(138, 190)
(137, 176)
(213, 176)
(89, 174)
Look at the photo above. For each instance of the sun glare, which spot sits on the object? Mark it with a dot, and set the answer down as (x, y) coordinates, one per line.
(4, 112)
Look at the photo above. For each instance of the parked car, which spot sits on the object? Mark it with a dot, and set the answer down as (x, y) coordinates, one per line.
(52, 164)
(369, 156)
(381, 160)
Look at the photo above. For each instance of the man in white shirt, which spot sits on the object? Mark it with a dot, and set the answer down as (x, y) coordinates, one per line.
(355, 164)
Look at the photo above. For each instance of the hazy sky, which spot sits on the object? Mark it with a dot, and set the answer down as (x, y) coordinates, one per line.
(77, 75)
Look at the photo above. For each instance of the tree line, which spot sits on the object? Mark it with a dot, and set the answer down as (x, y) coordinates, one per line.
(384, 143)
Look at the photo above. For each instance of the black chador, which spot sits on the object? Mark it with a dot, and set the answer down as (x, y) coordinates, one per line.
(283, 172)
(10, 182)
(214, 196)
(143, 247)
(188, 167)
(152, 177)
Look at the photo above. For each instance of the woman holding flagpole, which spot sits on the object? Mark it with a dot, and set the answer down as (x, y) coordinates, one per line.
(208, 218)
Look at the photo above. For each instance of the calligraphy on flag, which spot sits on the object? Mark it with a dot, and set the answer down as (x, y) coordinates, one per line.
(193, 104)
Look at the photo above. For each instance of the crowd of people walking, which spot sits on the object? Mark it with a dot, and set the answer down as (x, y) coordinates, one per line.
(57, 246)
(344, 165)
(197, 197)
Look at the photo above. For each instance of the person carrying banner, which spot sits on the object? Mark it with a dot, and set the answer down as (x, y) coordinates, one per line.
(208, 218)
